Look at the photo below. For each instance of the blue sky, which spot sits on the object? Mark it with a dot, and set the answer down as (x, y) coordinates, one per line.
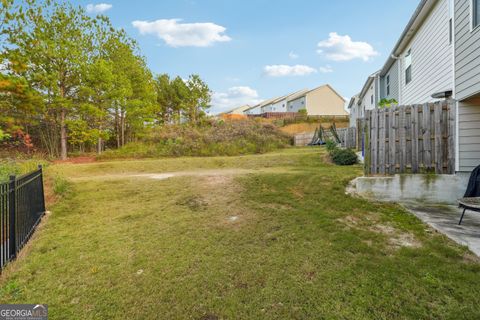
(251, 50)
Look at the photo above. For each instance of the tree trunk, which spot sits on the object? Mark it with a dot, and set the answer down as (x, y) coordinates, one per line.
(99, 145)
(117, 127)
(123, 127)
(63, 135)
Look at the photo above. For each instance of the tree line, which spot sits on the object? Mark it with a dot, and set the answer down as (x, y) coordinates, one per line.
(72, 82)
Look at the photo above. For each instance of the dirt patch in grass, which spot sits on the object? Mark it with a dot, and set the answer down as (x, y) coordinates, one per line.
(397, 238)
(350, 221)
(195, 203)
(370, 222)
(77, 160)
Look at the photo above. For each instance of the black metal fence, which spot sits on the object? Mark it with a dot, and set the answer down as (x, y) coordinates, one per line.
(22, 205)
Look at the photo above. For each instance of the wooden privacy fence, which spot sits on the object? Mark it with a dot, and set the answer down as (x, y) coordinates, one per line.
(348, 137)
(411, 139)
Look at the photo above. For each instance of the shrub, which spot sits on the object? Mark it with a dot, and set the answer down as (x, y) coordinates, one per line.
(344, 157)
(214, 138)
(17, 167)
(331, 145)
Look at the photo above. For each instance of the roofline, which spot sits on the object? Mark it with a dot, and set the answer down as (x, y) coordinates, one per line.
(323, 85)
(296, 95)
(279, 99)
(367, 84)
(242, 106)
(410, 30)
(352, 101)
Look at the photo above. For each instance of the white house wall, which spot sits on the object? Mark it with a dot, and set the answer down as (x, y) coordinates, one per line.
(296, 105)
(253, 111)
(394, 83)
(280, 106)
(367, 98)
(432, 63)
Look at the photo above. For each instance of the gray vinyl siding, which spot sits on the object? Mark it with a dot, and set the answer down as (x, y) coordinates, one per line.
(394, 84)
(255, 110)
(467, 52)
(297, 104)
(469, 134)
(432, 58)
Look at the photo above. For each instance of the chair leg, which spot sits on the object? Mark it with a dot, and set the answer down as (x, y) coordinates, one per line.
(461, 218)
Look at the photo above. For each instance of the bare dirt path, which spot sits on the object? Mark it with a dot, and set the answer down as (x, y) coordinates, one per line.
(194, 173)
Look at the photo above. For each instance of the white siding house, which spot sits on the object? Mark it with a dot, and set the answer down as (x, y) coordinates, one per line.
(296, 105)
(390, 78)
(354, 110)
(429, 55)
(467, 82)
(278, 105)
(253, 110)
(370, 95)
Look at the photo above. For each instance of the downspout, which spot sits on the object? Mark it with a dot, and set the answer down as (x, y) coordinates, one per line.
(454, 91)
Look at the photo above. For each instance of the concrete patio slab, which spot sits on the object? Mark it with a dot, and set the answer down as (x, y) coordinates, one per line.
(445, 220)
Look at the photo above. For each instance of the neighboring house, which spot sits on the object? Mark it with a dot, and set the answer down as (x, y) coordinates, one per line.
(354, 110)
(238, 110)
(259, 108)
(370, 95)
(390, 77)
(467, 82)
(321, 101)
(296, 101)
(281, 104)
(256, 109)
(276, 105)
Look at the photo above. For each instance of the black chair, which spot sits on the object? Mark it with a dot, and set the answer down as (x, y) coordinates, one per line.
(471, 199)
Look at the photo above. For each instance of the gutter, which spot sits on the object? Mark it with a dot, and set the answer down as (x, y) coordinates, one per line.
(410, 30)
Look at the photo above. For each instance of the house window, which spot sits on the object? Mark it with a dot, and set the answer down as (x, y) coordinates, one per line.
(388, 84)
(408, 67)
(450, 31)
(476, 13)
(371, 99)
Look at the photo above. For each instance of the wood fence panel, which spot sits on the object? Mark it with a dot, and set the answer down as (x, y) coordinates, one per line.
(402, 138)
(427, 138)
(381, 142)
(416, 138)
(374, 140)
(392, 141)
(438, 137)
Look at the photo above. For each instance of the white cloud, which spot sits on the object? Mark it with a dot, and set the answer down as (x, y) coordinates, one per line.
(282, 70)
(176, 34)
(98, 8)
(342, 48)
(326, 69)
(292, 55)
(234, 97)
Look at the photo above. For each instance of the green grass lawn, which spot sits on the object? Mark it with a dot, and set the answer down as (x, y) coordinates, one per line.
(278, 239)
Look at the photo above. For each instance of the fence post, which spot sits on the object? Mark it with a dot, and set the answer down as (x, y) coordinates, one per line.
(42, 191)
(12, 206)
